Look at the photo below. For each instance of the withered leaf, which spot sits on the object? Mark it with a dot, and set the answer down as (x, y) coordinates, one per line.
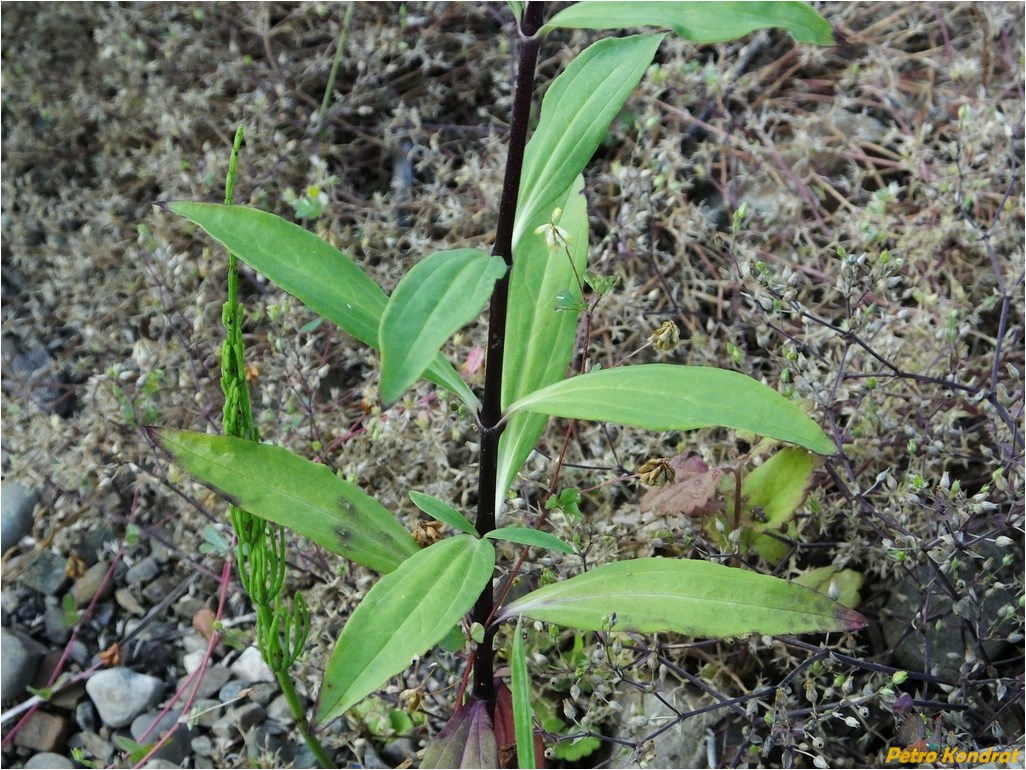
(693, 493)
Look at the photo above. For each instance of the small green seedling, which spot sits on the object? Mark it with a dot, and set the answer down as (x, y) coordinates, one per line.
(533, 282)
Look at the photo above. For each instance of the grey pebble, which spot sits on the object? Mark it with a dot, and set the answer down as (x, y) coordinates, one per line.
(21, 655)
(45, 573)
(214, 679)
(17, 503)
(55, 625)
(266, 745)
(202, 745)
(231, 690)
(239, 720)
(93, 542)
(127, 601)
(86, 716)
(279, 711)
(159, 588)
(264, 692)
(120, 694)
(143, 571)
(398, 751)
(178, 747)
(250, 665)
(90, 583)
(47, 759)
(206, 711)
(96, 748)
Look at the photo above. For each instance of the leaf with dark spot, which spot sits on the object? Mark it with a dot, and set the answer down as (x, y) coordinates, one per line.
(274, 484)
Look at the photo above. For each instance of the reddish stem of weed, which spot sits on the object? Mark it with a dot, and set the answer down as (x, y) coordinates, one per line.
(491, 407)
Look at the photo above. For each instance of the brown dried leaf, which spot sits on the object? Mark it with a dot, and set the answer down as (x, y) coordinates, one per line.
(692, 494)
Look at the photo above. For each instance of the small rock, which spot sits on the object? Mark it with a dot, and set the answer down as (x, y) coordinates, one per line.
(48, 759)
(267, 747)
(206, 711)
(86, 717)
(231, 690)
(160, 764)
(305, 758)
(45, 573)
(239, 720)
(202, 745)
(120, 694)
(93, 543)
(95, 747)
(684, 744)
(91, 582)
(194, 643)
(188, 606)
(279, 711)
(67, 697)
(264, 692)
(48, 389)
(44, 732)
(214, 679)
(79, 652)
(127, 601)
(55, 625)
(399, 751)
(20, 655)
(178, 747)
(159, 588)
(149, 656)
(142, 572)
(17, 504)
(250, 665)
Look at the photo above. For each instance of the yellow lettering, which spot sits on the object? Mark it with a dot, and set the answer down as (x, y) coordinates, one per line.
(893, 753)
(949, 754)
(973, 757)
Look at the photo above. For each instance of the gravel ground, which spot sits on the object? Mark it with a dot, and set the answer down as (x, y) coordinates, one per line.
(906, 140)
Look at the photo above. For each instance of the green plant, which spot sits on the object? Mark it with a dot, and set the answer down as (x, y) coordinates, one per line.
(534, 285)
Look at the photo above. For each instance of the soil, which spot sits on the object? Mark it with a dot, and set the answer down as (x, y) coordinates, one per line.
(874, 273)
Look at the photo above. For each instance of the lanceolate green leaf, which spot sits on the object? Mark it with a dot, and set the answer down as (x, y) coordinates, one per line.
(703, 22)
(320, 276)
(432, 506)
(406, 613)
(523, 722)
(539, 338)
(528, 536)
(696, 598)
(274, 484)
(670, 397)
(576, 113)
(439, 295)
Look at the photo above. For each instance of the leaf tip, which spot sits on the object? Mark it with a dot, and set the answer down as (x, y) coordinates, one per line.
(850, 619)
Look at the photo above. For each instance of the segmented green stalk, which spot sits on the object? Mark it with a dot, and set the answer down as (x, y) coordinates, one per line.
(282, 630)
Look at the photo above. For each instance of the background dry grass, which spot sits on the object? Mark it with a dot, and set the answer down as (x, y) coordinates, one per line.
(902, 148)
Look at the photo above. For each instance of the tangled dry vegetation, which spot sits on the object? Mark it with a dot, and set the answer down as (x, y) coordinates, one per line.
(877, 275)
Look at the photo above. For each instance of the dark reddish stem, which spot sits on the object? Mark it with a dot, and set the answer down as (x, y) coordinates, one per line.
(491, 407)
